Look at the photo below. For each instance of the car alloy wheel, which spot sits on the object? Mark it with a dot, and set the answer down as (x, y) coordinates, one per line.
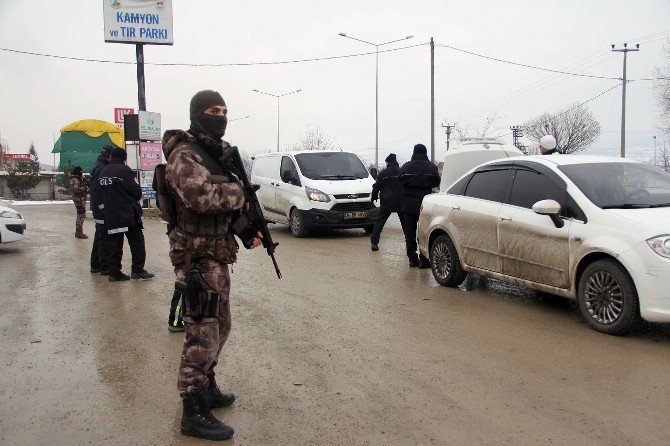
(608, 299)
(603, 297)
(444, 262)
(441, 261)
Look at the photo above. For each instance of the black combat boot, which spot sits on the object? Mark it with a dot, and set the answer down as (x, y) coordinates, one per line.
(213, 396)
(198, 421)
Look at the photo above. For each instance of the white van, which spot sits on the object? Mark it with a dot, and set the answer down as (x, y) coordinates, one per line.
(315, 189)
(468, 153)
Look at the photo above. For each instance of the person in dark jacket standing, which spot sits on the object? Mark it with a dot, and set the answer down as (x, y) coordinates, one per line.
(387, 188)
(418, 177)
(123, 215)
(99, 252)
(79, 187)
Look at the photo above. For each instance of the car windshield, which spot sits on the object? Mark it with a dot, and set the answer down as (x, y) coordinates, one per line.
(331, 166)
(621, 185)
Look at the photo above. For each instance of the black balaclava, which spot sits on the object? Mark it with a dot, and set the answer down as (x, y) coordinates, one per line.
(77, 171)
(213, 125)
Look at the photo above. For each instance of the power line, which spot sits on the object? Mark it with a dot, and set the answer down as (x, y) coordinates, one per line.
(176, 64)
(568, 73)
(575, 107)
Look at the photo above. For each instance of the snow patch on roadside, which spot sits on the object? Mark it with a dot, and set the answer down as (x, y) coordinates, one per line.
(31, 203)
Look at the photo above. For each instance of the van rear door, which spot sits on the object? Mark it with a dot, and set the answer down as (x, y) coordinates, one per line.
(265, 173)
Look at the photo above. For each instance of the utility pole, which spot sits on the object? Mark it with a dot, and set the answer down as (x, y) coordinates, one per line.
(655, 159)
(625, 51)
(448, 131)
(432, 100)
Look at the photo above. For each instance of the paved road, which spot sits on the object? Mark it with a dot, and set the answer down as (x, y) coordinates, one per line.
(350, 347)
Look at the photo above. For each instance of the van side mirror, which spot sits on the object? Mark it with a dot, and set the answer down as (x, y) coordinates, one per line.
(289, 177)
(550, 208)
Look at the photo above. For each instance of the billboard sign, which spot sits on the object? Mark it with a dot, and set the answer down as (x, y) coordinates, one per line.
(150, 125)
(138, 21)
(119, 113)
(150, 155)
(146, 182)
(19, 156)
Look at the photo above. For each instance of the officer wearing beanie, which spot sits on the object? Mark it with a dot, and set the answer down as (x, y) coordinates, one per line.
(206, 200)
(418, 177)
(387, 187)
(99, 254)
(548, 145)
(123, 215)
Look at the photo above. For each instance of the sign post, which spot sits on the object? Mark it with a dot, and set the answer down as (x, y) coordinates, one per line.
(139, 22)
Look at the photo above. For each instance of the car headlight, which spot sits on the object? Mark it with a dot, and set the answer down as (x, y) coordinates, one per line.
(316, 195)
(10, 214)
(660, 245)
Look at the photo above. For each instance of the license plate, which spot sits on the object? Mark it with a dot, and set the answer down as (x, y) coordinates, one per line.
(348, 215)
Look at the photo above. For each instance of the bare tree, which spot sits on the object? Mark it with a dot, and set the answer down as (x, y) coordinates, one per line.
(470, 131)
(314, 139)
(663, 159)
(662, 92)
(574, 128)
(247, 162)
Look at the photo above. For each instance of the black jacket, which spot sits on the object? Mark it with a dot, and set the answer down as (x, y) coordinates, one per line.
(96, 190)
(387, 187)
(120, 195)
(418, 178)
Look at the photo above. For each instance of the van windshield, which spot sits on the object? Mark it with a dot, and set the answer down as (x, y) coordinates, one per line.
(331, 166)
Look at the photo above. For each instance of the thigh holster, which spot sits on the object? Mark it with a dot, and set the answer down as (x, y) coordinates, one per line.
(199, 299)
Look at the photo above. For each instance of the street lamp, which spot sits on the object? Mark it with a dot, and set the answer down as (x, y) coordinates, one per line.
(277, 96)
(376, 45)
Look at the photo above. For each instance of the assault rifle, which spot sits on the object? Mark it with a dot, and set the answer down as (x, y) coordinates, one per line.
(251, 221)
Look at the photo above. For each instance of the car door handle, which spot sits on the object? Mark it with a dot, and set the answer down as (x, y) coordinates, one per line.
(503, 219)
(455, 208)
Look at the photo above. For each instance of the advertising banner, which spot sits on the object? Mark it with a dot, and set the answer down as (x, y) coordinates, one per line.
(150, 155)
(150, 125)
(138, 21)
(146, 180)
(118, 115)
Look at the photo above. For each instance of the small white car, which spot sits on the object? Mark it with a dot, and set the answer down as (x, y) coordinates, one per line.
(12, 225)
(315, 189)
(594, 229)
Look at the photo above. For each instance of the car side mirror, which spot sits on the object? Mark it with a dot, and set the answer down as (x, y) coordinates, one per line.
(550, 208)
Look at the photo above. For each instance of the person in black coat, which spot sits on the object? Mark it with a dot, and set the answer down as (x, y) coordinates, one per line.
(123, 215)
(387, 188)
(418, 177)
(99, 253)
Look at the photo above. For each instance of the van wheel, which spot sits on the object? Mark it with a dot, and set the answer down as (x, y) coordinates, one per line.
(297, 224)
(445, 263)
(369, 228)
(608, 298)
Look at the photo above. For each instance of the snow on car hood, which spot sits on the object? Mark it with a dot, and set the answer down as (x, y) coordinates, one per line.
(657, 219)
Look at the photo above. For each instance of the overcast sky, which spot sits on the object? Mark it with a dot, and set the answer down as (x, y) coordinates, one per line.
(40, 95)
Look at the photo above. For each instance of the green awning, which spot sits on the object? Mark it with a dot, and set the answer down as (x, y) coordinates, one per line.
(80, 149)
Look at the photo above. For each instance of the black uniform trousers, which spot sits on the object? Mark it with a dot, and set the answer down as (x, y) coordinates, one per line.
(384, 215)
(410, 226)
(100, 251)
(135, 238)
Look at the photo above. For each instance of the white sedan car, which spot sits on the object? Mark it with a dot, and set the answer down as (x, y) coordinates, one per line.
(594, 229)
(12, 225)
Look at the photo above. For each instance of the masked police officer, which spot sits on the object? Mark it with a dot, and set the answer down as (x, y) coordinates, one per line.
(206, 200)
